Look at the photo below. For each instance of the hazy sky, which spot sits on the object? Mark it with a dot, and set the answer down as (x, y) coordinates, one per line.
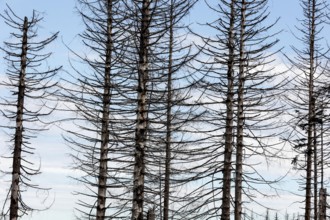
(60, 15)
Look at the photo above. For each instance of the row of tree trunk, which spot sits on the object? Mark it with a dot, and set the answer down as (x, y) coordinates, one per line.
(132, 113)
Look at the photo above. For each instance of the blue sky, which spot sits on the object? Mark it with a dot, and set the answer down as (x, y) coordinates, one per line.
(60, 15)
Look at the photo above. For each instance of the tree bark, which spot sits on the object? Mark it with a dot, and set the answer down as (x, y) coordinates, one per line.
(141, 126)
(15, 188)
(323, 204)
(103, 169)
(225, 208)
(240, 119)
(311, 110)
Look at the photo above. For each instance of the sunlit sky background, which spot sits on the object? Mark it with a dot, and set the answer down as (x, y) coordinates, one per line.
(60, 15)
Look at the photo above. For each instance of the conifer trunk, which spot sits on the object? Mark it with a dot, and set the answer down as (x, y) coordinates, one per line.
(323, 204)
(103, 169)
(168, 121)
(315, 171)
(225, 208)
(311, 110)
(240, 119)
(151, 214)
(141, 126)
(15, 189)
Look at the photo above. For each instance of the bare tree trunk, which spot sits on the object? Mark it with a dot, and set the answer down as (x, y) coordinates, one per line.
(311, 111)
(14, 198)
(141, 126)
(309, 156)
(168, 120)
(315, 170)
(103, 169)
(322, 152)
(240, 119)
(225, 208)
(151, 214)
(323, 191)
(323, 204)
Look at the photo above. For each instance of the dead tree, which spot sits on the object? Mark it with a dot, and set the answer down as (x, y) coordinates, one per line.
(240, 113)
(29, 84)
(170, 112)
(217, 89)
(155, 71)
(142, 112)
(237, 92)
(309, 74)
(97, 96)
(255, 90)
(227, 167)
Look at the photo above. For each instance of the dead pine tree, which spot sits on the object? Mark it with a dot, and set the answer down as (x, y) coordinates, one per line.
(142, 112)
(322, 119)
(148, 66)
(240, 115)
(255, 90)
(308, 64)
(217, 88)
(93, 92)
(169, 117)
(103, 169)
(29, 84)
(227, 167)
(167, 111)
(241, 102)
(158, 60)
(175, 119)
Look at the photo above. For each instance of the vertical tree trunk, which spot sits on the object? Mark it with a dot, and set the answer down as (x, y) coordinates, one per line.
(240, 119)
(141, 126)
(225, 208)
(323, 191)
(15, 189)
(311, 110)
(151, 214)
(323, 204)
(168, 121)
(103, 169)
(315, 170)
(322, 153)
